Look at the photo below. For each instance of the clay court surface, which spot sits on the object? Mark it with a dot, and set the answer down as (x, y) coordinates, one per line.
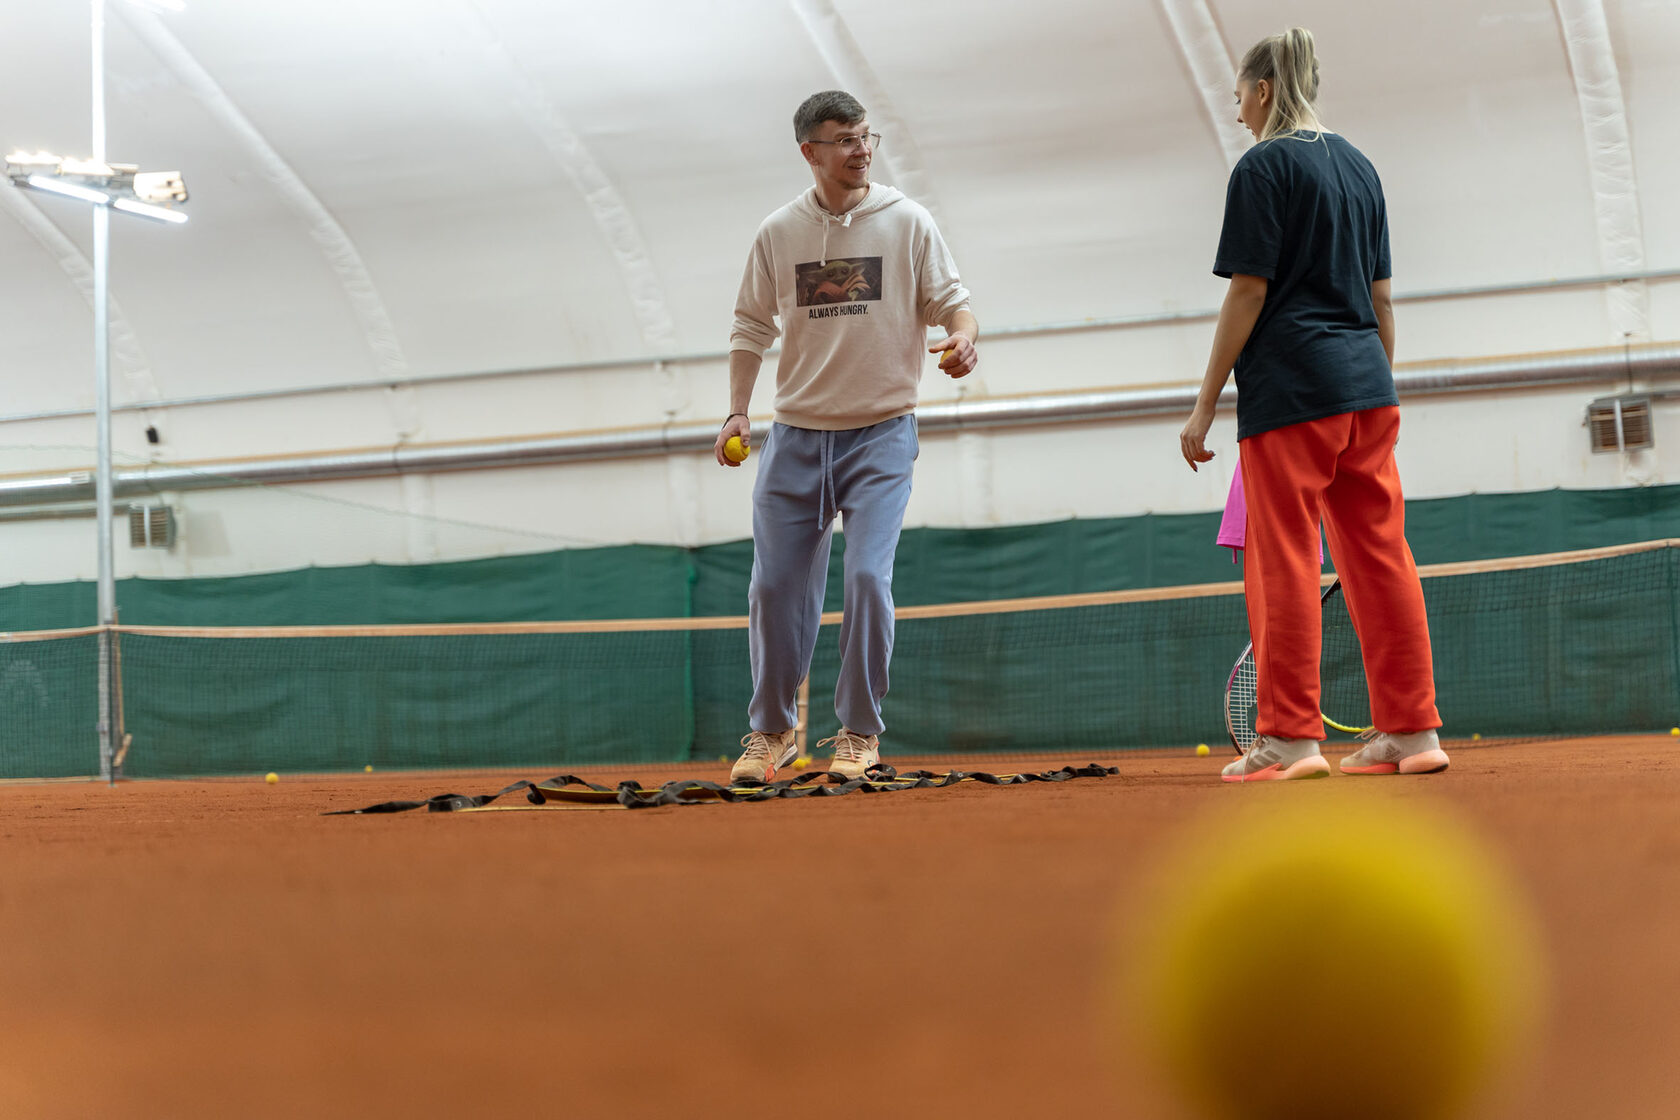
(219, 949)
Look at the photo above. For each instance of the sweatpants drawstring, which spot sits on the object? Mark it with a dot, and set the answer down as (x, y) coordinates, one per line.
(827, 503)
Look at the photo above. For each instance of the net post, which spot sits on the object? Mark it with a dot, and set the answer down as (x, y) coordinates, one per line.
(804, 708)
(120, 738)
(106, 753)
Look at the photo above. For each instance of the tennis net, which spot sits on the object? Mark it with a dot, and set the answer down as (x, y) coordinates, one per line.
(1564, 644)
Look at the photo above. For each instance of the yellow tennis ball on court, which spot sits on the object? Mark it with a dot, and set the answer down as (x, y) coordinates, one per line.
(271, 777)
(801, 762)
(735, 451)
(368, 769)
(1674, 731)
(1476, 737)
(1201, 750)
(1334, 956)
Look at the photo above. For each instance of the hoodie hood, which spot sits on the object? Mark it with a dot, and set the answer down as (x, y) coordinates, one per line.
(877, 199)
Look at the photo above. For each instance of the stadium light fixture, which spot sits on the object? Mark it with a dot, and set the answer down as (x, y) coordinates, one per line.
(123, 186)
(69, 190)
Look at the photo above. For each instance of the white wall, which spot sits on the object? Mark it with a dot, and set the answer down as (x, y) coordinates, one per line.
(1068, 156)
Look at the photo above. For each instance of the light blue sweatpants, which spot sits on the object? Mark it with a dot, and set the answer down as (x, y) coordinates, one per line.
(804, 478)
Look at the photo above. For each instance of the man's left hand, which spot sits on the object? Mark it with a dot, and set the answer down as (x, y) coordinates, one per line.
(957, 356)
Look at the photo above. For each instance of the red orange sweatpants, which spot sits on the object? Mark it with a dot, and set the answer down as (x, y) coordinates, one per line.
(1340, 469)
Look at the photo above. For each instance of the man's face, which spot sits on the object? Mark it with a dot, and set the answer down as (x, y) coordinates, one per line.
(840, 154)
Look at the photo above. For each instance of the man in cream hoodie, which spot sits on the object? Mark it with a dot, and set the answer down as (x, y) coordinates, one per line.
(856, 273)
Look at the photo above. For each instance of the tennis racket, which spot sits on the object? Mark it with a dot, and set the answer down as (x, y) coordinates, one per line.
(1341, 675)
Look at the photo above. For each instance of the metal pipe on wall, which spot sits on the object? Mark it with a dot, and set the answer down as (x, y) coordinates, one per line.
(1651, 363)
(607, 365)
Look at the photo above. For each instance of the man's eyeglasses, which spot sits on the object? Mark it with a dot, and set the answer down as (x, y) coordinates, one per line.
(852, 144)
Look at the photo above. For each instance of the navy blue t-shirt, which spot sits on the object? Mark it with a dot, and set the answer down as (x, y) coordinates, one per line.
(1306, 212)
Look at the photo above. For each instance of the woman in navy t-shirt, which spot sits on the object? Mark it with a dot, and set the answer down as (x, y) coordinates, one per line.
(1308, 326)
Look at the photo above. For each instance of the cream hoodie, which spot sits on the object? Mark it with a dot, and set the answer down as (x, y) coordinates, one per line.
(855, 294)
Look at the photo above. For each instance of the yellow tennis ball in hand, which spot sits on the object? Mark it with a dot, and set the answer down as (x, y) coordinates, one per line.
(947, 356)
(736, 451)
(1201, 750)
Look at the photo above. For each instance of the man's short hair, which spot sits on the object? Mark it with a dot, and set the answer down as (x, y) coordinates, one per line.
(829, 105)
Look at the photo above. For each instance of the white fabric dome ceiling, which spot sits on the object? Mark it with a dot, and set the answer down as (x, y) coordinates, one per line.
(386, 190)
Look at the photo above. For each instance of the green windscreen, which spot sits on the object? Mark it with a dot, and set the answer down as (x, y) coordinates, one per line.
(1564, 647)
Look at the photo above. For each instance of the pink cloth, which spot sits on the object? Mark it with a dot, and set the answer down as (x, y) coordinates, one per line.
(1233, 527)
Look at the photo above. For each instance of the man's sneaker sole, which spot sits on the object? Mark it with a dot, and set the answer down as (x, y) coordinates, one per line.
(1304, 770)
(1424, 762)
(770, 771)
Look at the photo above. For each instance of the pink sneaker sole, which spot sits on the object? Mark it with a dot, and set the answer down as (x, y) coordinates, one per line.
(1427, 762)
(1314, 767)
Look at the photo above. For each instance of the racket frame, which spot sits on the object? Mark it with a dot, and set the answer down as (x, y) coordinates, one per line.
(1247, 656)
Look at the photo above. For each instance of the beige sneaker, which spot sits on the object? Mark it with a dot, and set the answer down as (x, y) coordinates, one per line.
(1270, 759)
(765, 753)
(1388, 752)
(853, 753)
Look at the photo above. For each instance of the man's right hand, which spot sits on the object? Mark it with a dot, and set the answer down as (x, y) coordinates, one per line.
(734, 426)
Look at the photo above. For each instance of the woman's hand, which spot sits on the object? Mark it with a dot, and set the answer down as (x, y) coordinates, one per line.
(1190, 439)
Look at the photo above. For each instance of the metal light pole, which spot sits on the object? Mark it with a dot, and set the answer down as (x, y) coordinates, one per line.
(125, 187)
(102, 497)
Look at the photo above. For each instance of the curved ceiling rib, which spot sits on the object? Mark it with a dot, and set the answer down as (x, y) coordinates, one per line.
(324, 229)
(840, 49)
(335, 244)
(608, 207)
(1212, 70)
(128, 356)
(1598, 85)
(613, 217)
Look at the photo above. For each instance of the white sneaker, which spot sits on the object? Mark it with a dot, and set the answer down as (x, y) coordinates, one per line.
(1270, 759)
(853, 753)
(765, 753)
(1387, 752)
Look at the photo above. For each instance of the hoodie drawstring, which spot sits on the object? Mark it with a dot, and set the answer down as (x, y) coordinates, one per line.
(827, 218)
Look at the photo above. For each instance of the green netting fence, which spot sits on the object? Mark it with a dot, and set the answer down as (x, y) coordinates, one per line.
(1566, 644)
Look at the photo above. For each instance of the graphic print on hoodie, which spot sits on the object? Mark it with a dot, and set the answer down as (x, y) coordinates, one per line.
(837, 282)
(854, 295)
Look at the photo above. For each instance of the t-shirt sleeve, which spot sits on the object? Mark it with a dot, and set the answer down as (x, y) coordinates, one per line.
(1383, 268)
(1252, 237)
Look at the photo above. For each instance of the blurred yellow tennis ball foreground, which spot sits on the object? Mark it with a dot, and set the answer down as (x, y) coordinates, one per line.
(1339, 957)
(735, 451)
(801, 762)
(271, 777)
(1201, 750)
(1674, 731)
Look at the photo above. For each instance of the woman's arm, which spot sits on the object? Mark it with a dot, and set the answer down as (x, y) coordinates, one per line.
(1237, 315)
(1382, 300)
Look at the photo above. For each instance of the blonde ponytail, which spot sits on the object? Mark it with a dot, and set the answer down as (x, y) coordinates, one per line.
(1289, 63)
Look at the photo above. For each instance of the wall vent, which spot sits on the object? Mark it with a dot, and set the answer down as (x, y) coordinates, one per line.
(151, 526)
(1620, 423)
